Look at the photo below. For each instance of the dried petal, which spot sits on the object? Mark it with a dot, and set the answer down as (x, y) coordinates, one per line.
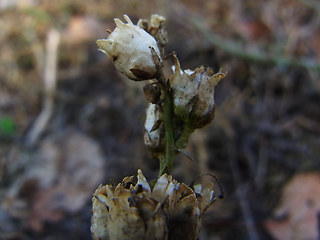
(153, 129)
(99, 220)
(143, 181)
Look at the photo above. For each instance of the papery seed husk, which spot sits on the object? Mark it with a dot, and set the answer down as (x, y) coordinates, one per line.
(172, 210)
(129, 48)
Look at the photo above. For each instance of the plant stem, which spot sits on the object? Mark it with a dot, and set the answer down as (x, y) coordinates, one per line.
(168, 126)
(183, 139)
(166, 163)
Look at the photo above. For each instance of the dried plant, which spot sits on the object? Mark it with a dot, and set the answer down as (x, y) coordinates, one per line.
(179, 104)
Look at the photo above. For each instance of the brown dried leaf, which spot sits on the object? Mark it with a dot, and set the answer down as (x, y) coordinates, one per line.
(296, 217)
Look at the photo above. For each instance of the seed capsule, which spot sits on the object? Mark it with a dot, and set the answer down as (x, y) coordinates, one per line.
(193, 93)
(171, 210)
(129, 48)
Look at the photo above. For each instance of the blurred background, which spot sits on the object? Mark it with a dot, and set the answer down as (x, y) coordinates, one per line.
(69, 121)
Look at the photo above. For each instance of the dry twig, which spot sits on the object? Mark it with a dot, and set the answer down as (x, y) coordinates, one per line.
(236, 49)
(49, 79)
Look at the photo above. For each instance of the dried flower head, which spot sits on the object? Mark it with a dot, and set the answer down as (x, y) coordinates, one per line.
(129, 47)
(193, 93)
(155, 27)
(134, 211)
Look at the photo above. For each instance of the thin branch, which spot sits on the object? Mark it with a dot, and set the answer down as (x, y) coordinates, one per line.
(49, 79)
(256, 56)
(262, 166)
(311, 4)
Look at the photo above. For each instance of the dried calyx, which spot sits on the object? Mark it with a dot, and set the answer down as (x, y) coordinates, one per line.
(134, 211)
(154, 132)
(129, 48)
(193, 93)
(155, 27)
(193, 106)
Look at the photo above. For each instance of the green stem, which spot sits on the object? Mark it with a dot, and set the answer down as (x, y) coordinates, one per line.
(167, 163)
(182, 141)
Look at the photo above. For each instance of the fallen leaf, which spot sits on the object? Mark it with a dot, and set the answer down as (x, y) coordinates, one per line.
(296, 216)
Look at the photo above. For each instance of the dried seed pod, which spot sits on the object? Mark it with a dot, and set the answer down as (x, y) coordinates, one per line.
(193, 94)
(129, 48)
(171, 210)
(113, 217)
(155, 27)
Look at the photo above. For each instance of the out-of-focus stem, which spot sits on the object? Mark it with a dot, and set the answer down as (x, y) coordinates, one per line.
(237, 50)
(50, 81)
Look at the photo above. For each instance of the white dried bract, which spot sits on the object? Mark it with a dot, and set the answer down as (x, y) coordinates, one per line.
(152, 127)
(156, 20)
(193, 92)
(134, 211)
(155, 27)
(129, 48)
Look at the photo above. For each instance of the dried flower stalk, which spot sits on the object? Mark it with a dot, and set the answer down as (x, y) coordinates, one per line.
(179, 104)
